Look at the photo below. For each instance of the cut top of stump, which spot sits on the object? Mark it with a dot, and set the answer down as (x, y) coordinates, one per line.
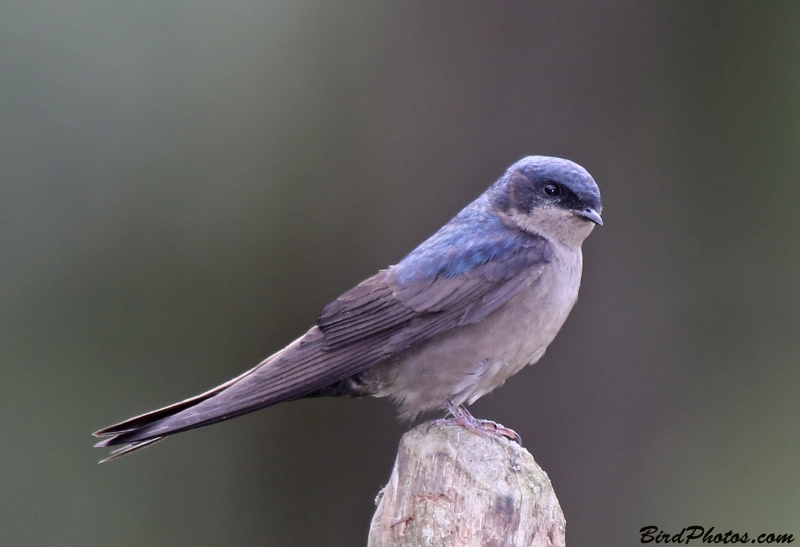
(451, 486)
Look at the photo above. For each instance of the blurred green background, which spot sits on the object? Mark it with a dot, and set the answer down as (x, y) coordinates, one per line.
(183, 186)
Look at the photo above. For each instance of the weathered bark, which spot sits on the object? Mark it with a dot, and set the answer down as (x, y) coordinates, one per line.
(452, 487)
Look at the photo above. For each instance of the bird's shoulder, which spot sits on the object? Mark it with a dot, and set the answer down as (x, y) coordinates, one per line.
(477, 236)
(465, 271)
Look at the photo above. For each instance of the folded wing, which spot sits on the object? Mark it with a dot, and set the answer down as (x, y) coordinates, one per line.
(375, 320)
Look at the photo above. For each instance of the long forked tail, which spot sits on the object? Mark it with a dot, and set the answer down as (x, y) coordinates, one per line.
(301, 368)
(124, 432)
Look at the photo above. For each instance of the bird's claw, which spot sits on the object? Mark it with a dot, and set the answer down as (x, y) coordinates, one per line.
(487, 428)
(499, 430)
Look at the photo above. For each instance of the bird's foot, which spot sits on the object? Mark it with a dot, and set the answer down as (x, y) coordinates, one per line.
(487, 428)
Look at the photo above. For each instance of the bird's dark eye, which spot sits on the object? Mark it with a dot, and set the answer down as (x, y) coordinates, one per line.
(552, 189)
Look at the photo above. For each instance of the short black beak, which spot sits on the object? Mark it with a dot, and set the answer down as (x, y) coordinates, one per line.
(590, 214)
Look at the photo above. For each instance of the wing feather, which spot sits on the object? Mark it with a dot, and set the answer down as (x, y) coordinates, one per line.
(375, 320)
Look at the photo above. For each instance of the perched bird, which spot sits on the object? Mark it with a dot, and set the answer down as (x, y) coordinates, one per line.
(468, 308)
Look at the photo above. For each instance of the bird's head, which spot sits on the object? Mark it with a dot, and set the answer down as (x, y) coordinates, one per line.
(555, 198)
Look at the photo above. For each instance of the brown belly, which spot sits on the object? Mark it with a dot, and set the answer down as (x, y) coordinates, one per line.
(468, 362)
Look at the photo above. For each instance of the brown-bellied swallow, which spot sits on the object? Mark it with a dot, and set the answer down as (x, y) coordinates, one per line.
(471, 306)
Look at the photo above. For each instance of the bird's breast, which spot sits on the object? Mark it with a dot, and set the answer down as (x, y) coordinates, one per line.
(467, 362)
(531, 322)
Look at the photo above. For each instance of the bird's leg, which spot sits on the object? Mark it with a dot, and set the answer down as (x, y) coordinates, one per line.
(462, 417)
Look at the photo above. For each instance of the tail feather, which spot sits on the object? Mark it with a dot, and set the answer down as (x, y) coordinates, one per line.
(303, 367)
(149, 418)
(127, 449)
(134, 433)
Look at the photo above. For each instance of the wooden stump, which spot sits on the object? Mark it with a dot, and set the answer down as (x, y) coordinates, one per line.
(452, 487)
